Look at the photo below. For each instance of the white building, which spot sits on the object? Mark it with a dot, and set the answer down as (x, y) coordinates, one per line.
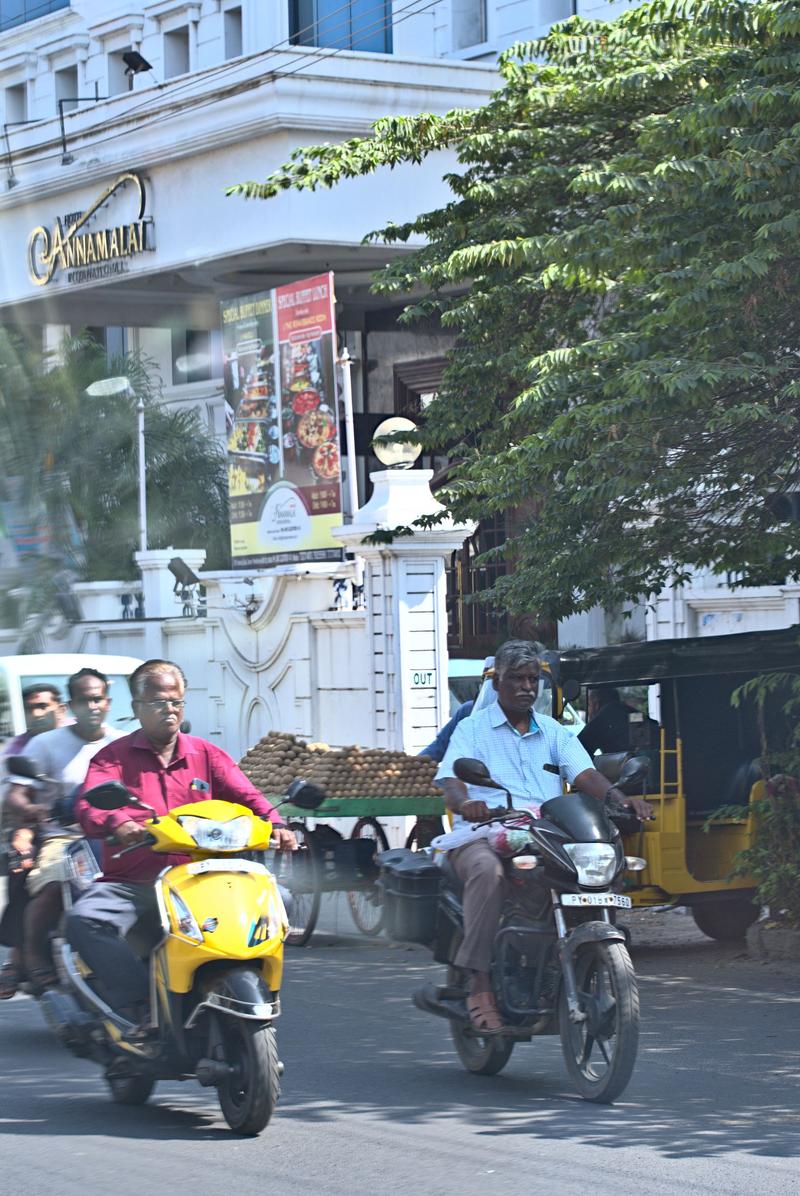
(222, 91)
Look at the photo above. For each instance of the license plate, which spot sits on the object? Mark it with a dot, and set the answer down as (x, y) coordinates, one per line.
(606, 899)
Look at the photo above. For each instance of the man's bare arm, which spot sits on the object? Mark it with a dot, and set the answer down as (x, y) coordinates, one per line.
(596, 785)
(457, 799)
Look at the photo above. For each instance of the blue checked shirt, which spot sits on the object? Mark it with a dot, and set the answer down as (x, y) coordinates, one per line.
(514, 760)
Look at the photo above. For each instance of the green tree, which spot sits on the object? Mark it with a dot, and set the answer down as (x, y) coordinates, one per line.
(70, 459)
(619, 265)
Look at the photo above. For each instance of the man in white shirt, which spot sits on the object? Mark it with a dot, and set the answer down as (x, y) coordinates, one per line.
(515, 744)
(63, 755)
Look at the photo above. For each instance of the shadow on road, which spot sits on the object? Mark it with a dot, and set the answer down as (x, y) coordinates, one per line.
(718, 1069)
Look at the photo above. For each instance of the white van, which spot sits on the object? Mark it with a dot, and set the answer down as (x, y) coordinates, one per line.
(18, 672)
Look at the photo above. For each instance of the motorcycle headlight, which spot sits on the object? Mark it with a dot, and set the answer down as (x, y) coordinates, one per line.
(217, 836)
(595, 863)
(187, 924)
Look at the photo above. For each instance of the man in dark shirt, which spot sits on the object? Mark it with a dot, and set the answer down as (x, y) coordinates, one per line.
(608, 725)
(44, 710)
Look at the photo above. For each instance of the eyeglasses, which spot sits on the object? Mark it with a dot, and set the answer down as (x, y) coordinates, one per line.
(162, 705)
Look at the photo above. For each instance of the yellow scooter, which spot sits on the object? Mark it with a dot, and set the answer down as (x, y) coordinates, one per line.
(215, 976)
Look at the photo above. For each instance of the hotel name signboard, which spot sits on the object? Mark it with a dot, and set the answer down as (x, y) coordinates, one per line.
(87, 254)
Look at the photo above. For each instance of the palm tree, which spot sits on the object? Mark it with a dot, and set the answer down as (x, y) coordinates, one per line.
(69, 460)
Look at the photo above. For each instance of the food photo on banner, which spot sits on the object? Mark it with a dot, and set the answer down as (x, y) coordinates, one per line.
(284, 464)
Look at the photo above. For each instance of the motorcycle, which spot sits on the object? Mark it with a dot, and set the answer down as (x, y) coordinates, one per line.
(560, 964)
(215, 974)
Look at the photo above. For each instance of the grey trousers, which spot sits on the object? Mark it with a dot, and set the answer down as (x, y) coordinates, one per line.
(96, 927)
(481, 870)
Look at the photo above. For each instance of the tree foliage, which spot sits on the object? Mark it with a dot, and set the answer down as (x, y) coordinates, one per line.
(619, 265)
(70, 460)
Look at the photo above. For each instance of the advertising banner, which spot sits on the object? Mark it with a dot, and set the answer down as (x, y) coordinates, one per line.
(284, 465)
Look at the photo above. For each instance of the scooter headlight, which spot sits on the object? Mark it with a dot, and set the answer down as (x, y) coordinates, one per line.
(595, 863)
(210, 835)
(185, 919)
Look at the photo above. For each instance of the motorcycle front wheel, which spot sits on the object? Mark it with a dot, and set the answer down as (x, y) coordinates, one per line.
(482, 1056)
(249, 1096)
(600, 1052)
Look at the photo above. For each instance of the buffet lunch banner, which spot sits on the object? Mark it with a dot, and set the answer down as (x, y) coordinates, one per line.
(284, 464)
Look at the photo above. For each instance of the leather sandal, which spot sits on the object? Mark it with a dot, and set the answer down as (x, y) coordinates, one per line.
(11, 977)
(42, 979)
(484, 1015)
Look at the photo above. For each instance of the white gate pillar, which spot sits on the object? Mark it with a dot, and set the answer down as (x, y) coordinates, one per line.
(405, 591)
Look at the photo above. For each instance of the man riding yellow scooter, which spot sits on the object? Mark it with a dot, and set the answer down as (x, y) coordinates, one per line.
(212, 923)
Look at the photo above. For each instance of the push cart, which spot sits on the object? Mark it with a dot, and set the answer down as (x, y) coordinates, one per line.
(326, 862)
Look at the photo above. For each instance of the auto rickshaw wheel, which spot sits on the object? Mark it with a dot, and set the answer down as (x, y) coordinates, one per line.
(727, 921)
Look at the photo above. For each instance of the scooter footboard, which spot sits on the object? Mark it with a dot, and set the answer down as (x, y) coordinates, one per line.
(235, 992)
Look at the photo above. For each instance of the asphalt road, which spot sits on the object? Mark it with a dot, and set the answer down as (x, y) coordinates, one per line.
(374, 1100)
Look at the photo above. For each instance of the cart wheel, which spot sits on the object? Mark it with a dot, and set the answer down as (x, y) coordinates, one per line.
(422, 832)
(300, 872)
(366, 905)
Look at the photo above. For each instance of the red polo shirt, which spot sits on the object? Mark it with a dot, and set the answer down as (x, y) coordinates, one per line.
(133, 761)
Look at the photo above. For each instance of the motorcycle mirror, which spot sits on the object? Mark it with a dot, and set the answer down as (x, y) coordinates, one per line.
(570, 690)
(112, 795)
(633, 771)
(474, 772)
(23, 766)
(305, 795)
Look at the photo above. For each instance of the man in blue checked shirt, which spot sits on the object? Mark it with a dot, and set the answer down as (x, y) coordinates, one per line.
(515, 744)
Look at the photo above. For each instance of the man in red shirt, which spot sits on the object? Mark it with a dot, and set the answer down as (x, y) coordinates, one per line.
(157, 764)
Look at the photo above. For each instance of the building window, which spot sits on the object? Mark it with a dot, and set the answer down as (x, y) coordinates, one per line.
(469, 23)
(357, 25)
(113, 338)
(120, 79)
(191, 356)
(16, 104)
(67, 88)
(18, 12)
(233, 32)
(475, 628)
(176, 52)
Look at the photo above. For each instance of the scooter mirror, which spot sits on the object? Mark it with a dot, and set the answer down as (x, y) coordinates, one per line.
(474, 772)
(306, 796)
(112, 795)
(23, 766)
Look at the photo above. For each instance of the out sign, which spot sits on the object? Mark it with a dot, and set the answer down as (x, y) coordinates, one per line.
(423, 678)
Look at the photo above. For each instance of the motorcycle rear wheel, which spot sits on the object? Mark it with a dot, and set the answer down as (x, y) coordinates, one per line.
(481, 1056)
(601, 1064)
(248, 1098)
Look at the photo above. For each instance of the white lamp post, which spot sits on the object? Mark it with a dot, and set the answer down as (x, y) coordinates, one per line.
(122, 386)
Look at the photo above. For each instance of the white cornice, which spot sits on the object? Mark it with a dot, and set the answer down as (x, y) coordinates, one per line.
(127, 22)
(147, 159)
(164, 9)
(77, 41)
(23, 60)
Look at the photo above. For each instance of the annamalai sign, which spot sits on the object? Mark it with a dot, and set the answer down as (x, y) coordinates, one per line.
(88, 253)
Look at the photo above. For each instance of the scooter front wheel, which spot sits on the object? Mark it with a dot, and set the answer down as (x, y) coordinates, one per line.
(249, 1096)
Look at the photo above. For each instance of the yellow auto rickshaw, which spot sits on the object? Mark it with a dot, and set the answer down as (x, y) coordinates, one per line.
(706, 753)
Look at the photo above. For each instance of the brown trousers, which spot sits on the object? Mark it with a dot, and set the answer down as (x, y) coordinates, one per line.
(481, 870)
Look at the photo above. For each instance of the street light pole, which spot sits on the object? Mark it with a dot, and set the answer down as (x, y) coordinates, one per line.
(142, 479)
(346, 362)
